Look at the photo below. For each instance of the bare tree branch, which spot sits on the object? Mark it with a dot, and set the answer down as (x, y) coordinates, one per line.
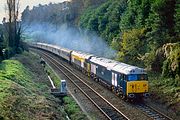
(13, 25)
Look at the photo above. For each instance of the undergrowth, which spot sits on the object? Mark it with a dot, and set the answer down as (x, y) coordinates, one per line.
(53, 76)
(22, 97)
(165, 90)
(72, 109)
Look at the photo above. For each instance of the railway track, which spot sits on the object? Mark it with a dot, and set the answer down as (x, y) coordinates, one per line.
(110, 112)
(105, 107)
(152, 112)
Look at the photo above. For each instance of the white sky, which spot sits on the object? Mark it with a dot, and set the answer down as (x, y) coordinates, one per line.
(24, 3)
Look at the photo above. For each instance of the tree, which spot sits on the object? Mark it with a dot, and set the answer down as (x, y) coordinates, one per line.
(177, 19)
(25, 15)
(13, 25)
(1, 42)
(133, 44)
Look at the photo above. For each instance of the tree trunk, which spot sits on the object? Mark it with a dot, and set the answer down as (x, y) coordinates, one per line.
(14, 30)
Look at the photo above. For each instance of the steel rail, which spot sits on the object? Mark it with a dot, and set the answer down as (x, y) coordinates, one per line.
(152, 112)
(103, 111)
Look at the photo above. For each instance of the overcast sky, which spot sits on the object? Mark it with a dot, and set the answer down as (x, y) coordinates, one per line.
(24, 3)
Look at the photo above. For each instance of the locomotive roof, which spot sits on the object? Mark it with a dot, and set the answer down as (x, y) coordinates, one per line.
(117, 66)
(109, 64)
(128, 69)
(81, 54)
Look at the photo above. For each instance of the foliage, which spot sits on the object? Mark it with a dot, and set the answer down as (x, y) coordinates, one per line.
(73, 109)
(12, 26)
(9, 51)
(172, 64)
(177, 18)
(10, 31)
(1, 45)
(138, 29)
(165, 90)
(115, 44)
(67, 12)
(53, 76)
(133, 43)
(23, 98)
(105, 19)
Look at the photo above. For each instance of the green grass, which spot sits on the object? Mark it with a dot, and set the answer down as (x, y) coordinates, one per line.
(4, 86)
(70, 106)
(22, 97)
(55, 78)
(14, 83)
(25, 95)
(73, 110)
(13, 70)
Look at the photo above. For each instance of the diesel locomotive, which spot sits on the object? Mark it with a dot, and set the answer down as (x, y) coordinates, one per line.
(127, 81)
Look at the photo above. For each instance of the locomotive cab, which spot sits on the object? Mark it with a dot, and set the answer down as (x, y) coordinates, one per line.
(132, 81)
(137, 85)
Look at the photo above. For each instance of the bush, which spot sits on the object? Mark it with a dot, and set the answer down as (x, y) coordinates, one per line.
(171, 66)
(9, 52)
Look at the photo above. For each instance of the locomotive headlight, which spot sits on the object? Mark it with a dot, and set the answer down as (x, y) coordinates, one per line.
(146, 94)
(131, 95)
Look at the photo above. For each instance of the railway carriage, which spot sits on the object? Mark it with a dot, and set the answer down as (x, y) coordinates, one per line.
(81, 61)
(65, 54)
(62, 52)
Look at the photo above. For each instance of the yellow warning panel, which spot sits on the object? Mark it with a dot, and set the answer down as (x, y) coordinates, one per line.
(137, 87)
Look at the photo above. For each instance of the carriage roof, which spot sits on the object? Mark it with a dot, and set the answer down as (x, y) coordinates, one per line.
(81, 54)
(55, 46)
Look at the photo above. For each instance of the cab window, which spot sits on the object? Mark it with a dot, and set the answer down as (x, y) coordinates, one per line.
(132, 77)
(142, 77)
(138, 77)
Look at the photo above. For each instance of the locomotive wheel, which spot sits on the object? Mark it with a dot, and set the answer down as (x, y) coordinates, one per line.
(96, 79)
(112, 88)
(124, 97)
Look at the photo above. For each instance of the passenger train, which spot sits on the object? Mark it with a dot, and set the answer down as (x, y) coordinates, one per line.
(127, 81)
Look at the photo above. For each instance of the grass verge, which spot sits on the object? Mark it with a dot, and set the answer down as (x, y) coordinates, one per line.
(24, 95)
(72, 109)
(55, 78)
